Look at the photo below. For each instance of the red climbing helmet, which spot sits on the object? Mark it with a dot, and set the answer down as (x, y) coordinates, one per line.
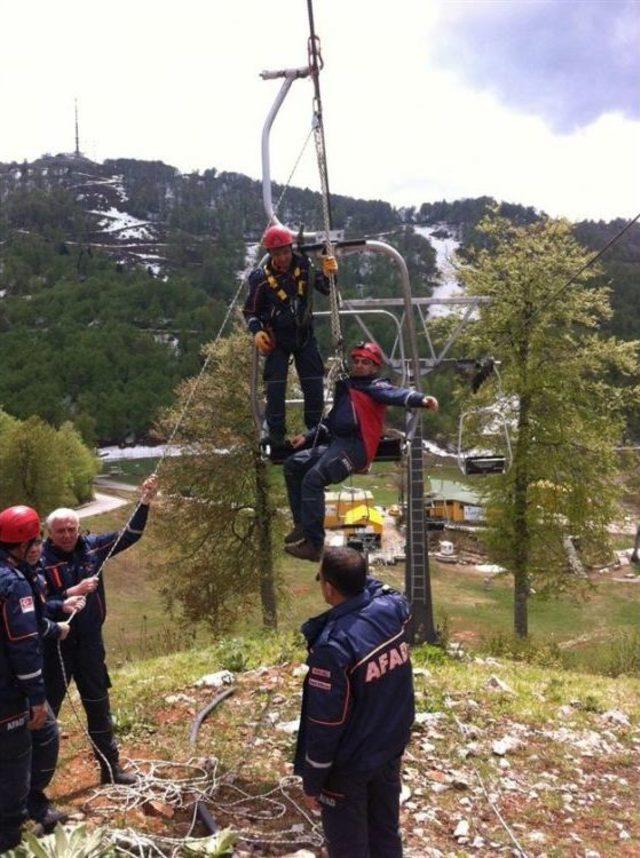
(372, 351)
(277, 236)
(19, 524)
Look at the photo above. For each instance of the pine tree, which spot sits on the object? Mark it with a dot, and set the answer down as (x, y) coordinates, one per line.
(219, 516)
(565, 412)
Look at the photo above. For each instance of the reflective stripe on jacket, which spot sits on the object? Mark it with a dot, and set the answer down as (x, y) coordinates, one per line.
(357, 706)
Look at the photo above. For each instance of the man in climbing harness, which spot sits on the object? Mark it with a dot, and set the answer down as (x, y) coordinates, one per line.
(345, 443)
(278, 311)
(357, 709)
(28, 731)
(72, 564)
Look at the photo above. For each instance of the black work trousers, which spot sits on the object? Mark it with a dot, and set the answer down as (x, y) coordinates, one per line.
(310, 373)
(361, 813)
(84, 663)
(28, 761)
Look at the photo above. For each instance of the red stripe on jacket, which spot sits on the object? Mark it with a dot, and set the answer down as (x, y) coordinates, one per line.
(370, 416)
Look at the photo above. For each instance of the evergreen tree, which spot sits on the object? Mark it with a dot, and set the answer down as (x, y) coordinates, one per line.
(564, 408)
(219, 518)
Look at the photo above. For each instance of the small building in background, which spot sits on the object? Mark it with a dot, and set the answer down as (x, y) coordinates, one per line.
(366, 523)
(338, 504)
(451, 501)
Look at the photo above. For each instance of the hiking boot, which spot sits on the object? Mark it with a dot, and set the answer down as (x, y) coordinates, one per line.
(305, 550)
(51, 818)
(117, 775)
(44, 813)
(294, 536)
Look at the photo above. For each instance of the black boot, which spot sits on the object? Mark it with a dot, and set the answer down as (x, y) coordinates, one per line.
(116, 775)
(44, 813)
(305, 550)
(294, 536)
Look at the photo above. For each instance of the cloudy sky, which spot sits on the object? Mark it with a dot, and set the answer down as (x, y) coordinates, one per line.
(531, 101)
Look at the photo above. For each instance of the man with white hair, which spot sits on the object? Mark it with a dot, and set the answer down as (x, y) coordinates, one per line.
(72, 567)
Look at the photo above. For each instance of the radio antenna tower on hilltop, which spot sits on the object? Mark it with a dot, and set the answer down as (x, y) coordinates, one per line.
(77, 152)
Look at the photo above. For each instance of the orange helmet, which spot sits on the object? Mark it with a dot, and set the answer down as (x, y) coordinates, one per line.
(277, 236)
(19, 524)
(372, 351)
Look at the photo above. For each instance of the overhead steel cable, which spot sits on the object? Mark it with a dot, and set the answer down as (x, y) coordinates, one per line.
(315, 66)
(514, 335)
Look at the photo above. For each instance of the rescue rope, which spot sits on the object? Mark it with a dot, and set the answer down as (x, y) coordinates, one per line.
(315, 65)
(242, 283)
(182, 786)
(490, 802)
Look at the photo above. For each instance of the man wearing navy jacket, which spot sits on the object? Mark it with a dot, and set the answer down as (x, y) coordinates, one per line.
(344, 443)
(72, 567)
(357, 710)
(27, 728)
(278, 312)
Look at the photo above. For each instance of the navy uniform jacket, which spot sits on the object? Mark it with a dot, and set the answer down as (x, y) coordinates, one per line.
(342, 421)
(357, 702)
(21, 682)
(63, 570)
(280, 302)
(45, 608)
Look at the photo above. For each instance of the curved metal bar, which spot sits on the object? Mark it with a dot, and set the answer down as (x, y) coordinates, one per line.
(266, 163)
(378, 312)
(387, 250)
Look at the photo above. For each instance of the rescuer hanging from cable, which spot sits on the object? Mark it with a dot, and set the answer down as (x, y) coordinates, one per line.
(278, 311)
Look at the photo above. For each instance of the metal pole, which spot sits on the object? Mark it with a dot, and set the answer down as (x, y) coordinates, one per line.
(417, 578)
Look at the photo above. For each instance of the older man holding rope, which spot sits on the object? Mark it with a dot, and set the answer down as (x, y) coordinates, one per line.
(72, 567)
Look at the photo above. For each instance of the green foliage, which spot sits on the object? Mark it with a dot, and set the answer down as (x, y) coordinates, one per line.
(428, 654)
(220, 519)
(31, 472)
(43, 467)
(621, 656)
(532, 651)
(565, 410)
(81, 465)
(220, 843)
(77, 842)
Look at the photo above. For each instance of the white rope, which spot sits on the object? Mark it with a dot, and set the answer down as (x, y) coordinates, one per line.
(201, 782)
(490, 801)
(334, 296)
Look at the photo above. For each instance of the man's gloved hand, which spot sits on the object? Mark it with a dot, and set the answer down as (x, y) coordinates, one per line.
(430, 402)
(329, 265)
(38, 716)
(264, 343)
(65, 628)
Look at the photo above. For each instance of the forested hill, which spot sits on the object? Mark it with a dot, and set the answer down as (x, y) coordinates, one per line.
(112, 275)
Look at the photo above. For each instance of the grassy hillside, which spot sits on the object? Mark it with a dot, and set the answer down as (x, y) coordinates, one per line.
(592, 629)
(565, 779)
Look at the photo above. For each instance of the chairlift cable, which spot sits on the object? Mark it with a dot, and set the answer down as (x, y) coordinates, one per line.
(515, 335)
(315, 65)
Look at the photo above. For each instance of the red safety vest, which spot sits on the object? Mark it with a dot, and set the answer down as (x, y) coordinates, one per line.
(370, 416)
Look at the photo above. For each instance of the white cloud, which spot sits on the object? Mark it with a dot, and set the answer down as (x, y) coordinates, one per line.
(180, 83)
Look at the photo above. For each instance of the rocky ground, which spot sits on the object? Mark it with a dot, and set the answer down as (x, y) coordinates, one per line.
(505, 759)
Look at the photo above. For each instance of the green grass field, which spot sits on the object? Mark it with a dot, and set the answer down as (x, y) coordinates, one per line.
(470, 609)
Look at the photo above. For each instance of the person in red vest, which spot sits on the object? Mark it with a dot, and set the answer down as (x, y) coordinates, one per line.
(345, 443)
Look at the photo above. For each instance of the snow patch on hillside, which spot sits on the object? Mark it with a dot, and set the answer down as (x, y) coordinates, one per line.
(113, 220)
(445, 249)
